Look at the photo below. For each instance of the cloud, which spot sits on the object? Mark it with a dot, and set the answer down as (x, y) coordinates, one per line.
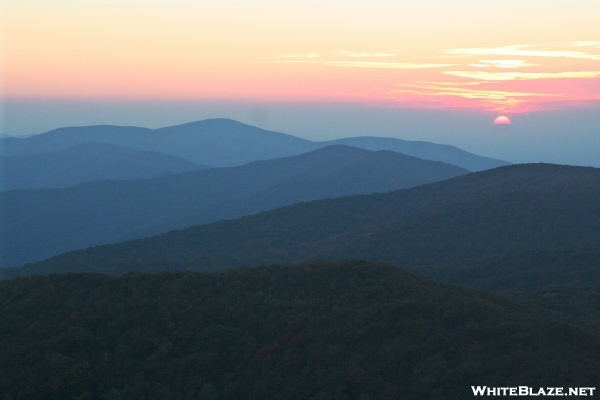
(522, 76)
(449, 89)
(506, 63)
(585, 44)
(453, 84)
(524, 50)
(486, 74)
(488, 99)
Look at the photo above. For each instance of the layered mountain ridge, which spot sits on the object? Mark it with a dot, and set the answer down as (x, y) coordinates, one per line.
(501, 211)
(224, 143)
(86, 162)
(45, 222)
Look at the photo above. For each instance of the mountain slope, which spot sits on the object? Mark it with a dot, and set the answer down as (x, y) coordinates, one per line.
(557, 217)
(528, 271)
(425, 150)
(214, 142)
(325, 331)
(563, 283)
(225, 143)
(505, 210)
(42, 223)
(63, 138)
(88, 162)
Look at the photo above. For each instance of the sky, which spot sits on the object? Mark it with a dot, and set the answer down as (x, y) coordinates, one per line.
(421, 70)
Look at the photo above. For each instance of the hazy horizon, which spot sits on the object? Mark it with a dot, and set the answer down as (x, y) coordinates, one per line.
(432, 70)
(569, 136)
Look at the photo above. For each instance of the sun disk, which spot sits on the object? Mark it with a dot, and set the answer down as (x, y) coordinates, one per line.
(502, 120)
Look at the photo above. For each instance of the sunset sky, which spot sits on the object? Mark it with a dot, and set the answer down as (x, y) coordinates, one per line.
(498, 57)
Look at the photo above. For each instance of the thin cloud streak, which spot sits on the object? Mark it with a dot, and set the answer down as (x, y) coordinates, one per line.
(508, 63)
(523, 51)
(486, 86)
(447, 90)
(585, 44)
(522, 76)
(492, 100)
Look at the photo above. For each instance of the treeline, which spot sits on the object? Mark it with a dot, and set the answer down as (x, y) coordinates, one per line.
(350, 330)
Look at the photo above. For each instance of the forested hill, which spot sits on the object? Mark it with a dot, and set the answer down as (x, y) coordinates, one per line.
(41, 223)
(351, 330)
(501, 211)
(527, 271)
(563, 283)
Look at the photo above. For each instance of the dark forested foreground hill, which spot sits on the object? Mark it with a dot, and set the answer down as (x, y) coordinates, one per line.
(351, 330)
(565, 283)
(87, 162)
(502, 211)
(528, 271)
(225, 143)
(41, 223)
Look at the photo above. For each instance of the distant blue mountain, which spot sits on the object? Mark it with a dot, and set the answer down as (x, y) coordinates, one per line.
(425, 150)
(88, 162)
(225, 143)
(43, 222)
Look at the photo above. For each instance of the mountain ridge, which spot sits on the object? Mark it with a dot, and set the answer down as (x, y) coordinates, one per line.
(40, 223)
(469, 216)
(223, 142)
(86, 162)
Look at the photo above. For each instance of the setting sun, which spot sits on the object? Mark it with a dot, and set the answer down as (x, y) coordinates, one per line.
(502, 120)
